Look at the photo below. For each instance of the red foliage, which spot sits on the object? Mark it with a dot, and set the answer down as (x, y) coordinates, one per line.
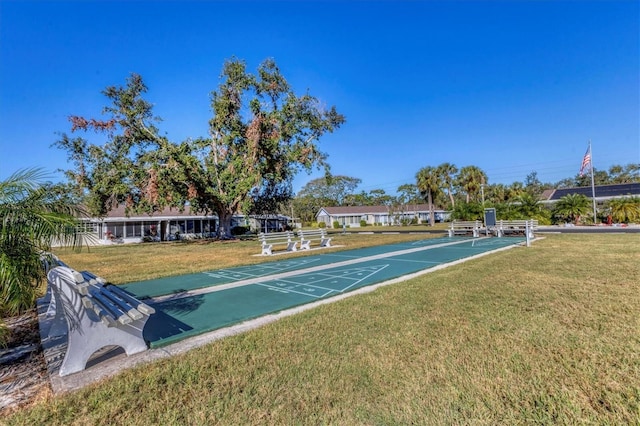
(81, 123)
(192, 191)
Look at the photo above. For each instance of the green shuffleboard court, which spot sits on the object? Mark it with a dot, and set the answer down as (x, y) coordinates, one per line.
(197, 303)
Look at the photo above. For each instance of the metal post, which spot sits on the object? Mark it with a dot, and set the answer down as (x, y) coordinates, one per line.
(593, 187)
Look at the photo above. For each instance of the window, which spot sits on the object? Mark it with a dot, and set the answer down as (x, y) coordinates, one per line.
(133, 229)
(149, 229)
(86, 227)
(114, 230)
(176, 226)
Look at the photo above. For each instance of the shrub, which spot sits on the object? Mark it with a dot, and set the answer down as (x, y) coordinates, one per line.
(336, 224)
(321, 225)
(363, 223)
(468, 211)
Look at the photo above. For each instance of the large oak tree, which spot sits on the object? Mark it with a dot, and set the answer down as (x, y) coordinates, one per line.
(261, 134)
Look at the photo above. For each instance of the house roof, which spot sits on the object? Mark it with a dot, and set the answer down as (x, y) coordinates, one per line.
(602, 191)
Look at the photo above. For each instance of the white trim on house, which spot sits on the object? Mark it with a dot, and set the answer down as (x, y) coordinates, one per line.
(351, 216)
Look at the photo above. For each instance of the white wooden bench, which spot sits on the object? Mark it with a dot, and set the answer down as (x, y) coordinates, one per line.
(518, 227)
(306, 237)
(269, 240)
(93, 314)
(465, 228)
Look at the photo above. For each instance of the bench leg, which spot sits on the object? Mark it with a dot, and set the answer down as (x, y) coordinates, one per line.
(292, 246)
(326, 242)
(305, 244)
(92, 336)
(266, 249)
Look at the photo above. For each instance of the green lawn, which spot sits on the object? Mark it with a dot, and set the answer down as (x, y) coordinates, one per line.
(543, 335)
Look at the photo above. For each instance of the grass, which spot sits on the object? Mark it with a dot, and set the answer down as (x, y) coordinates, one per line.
(544, 335)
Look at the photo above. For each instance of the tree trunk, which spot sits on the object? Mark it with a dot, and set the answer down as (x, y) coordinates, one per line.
(224, 225)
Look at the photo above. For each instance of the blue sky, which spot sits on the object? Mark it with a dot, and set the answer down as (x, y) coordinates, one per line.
(511, 87)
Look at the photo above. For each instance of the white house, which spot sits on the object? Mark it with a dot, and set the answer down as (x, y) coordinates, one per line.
(167, 225)
(378, 215)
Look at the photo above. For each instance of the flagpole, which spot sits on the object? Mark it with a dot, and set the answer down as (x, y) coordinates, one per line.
(593, 186)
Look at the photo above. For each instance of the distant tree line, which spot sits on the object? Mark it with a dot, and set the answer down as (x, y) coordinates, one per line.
(467, 191)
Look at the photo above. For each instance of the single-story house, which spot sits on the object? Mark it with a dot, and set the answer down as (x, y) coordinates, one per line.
(169, 225)
(378, 215)
(166, 225)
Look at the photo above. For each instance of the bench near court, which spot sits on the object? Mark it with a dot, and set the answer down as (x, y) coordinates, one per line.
(276, 239)
(288, 242)
(472, 228)
(515, 227)
(308, 236)
(500, 229)
(93, 315)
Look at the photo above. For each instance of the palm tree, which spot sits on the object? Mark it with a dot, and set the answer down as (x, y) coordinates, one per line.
(571, 207)
(32, 217)
(429, 184)
(625, 209)
(515, 190)
(496, 193)
(447, 173)
(528, 205)
(471, 179)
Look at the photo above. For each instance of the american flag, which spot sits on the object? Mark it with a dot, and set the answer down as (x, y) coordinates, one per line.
(586, 162)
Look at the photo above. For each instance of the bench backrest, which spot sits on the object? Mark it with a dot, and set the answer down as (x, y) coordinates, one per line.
(310, 233)
(110, 303)
(275, 236)
(465, 224)
(520, 223)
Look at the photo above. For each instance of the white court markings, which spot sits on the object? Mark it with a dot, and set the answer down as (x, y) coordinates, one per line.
(323, 284)
(428, 242)
(257, 271)
(257, 279)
